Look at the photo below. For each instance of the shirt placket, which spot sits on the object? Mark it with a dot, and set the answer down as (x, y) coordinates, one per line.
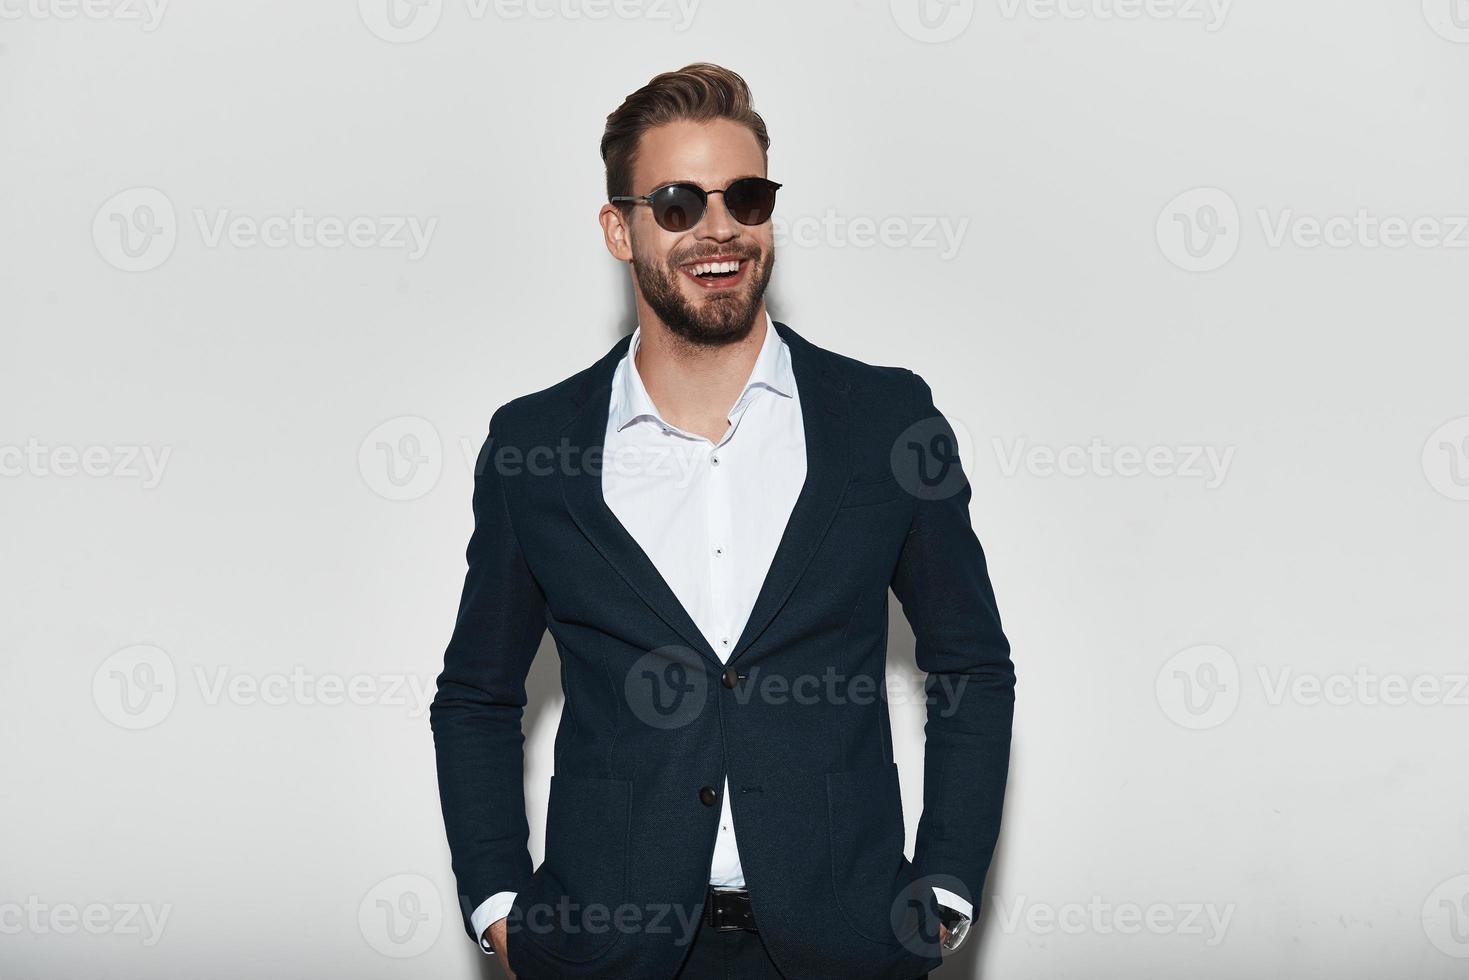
(719, 502)
(718, 524)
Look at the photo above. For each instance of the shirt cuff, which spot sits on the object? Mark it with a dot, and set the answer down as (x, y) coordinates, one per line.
(492, 910)
(949, 900)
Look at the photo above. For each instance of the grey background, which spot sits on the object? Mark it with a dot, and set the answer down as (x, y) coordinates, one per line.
(1129, 190)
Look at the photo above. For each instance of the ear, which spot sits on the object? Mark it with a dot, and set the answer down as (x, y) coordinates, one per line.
(615, 232)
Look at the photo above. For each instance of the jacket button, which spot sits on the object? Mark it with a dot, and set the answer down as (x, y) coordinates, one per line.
(708, 796)
(730, 677)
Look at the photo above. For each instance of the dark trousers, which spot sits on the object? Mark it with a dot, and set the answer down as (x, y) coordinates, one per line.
(735, 955)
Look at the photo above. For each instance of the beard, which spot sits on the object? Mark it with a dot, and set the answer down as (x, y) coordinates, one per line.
(724, 317)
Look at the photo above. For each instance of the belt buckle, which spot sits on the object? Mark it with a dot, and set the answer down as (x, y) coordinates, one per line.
(729, 909)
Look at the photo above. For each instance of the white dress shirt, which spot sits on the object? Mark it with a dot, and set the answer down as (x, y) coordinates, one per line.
(709, 515)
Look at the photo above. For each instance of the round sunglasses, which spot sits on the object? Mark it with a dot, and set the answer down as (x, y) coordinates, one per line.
(680, 206)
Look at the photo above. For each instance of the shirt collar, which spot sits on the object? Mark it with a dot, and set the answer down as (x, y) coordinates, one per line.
(631, 403)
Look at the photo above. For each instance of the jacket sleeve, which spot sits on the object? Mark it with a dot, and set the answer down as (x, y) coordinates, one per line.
(476, 711)
(943, 583)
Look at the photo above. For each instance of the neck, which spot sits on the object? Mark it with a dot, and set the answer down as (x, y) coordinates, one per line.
(694, 386)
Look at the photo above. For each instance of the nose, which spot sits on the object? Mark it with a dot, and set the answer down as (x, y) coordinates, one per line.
(717, 224)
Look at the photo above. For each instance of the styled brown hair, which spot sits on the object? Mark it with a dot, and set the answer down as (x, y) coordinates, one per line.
(697, 92)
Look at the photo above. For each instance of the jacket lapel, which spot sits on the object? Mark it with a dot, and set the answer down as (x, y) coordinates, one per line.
(824, 408)
(581, 489)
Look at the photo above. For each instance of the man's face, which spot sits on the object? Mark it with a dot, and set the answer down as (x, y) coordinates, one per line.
(708, 310)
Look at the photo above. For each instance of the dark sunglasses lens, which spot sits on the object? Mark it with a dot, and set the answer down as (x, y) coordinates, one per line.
(751, 200)
(678, 207)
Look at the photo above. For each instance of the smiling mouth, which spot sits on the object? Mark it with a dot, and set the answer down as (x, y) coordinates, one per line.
(716, 273)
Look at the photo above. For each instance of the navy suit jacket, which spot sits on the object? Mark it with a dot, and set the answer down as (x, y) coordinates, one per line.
(654, 720)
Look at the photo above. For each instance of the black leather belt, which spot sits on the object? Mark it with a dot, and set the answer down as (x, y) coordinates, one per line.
(728, 909)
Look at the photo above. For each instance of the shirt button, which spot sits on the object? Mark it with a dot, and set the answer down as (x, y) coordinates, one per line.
(713, 460)
(718, 551)
(708, 796)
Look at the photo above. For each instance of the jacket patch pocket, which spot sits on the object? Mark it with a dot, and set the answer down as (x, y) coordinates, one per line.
(572, 912)
(869, 870)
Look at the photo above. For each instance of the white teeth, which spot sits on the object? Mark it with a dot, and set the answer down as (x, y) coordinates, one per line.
(703, 268)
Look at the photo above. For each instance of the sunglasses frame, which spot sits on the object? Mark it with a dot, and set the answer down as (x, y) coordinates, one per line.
(703, 200)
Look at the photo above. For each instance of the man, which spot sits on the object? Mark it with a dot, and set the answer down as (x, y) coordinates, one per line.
(708, 520)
